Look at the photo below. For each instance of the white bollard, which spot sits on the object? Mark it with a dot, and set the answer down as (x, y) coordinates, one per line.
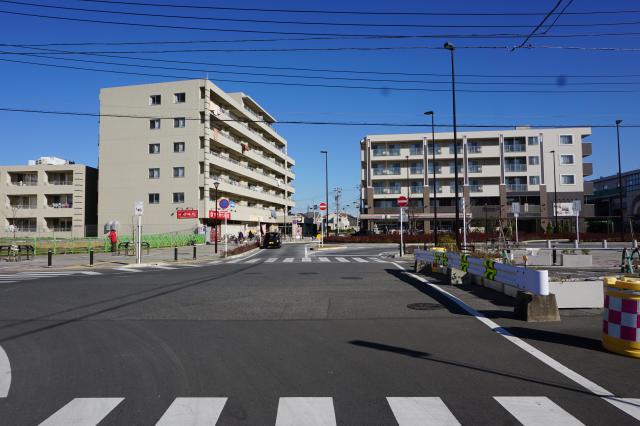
(548, 244)
(575, 243)
(634, 244)
(604, 243)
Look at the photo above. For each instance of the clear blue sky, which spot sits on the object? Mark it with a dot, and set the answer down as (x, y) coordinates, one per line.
(27, 136)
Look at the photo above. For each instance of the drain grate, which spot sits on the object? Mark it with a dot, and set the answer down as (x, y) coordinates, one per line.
(424, 306)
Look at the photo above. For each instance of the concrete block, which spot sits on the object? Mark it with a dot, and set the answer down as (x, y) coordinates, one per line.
(577, 260)
(534, 308)
(577, 294)
(455, 276)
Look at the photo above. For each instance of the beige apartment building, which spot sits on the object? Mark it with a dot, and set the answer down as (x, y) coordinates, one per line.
(189, 137)
(49, 197)
(495, 169)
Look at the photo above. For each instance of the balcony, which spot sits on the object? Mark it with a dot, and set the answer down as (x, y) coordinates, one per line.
(515, 148)
(587, 149)
(475, 168)
(474, 149)
(393, 171)
(430, 151)
(247, 170)
(475, 188)
(438, 170)
(23, 179)
(515, 167)
(416, 189)
(518, 187)
(249, 191)
(416, 170)
(386, 190)
(415, 151)
(60, 201)
(23, 206)
(386, 152)
(587, 169)
(60, 178)
(438, 192)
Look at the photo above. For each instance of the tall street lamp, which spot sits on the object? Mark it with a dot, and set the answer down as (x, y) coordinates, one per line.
(326, 192)
(408, 199)
(451, 48)
(435, 188)
(620, 182)
(555, 191)
(215, 185)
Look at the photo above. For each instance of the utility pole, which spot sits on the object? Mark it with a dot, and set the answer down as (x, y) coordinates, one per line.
(338, 192)
(325, 229)
(456, 222)
(620, 183)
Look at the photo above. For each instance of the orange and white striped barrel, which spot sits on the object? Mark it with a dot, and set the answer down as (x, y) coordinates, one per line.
(621, 316)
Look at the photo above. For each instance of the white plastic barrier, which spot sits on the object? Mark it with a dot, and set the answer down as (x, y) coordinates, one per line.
(536, 282)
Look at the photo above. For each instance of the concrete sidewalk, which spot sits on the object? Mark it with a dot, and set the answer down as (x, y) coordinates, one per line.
(113, 260)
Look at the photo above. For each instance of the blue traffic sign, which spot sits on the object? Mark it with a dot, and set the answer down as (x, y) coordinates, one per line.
(223, 203)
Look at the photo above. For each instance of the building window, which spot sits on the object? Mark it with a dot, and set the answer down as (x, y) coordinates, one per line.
(566, 139)
(154, 173)
(566, 159)
(179, 98)
(179, 122)
(178, 147)
(154, 198)
(154, 148)
(154, 124)
(534, 180)
(178, 172)
(178, 197)
(532, 140)
(534, 160)
(154, 100)
(567, 179)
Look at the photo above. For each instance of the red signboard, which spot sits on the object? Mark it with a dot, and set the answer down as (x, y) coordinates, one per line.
(323, 206)
(402, 201)
(187, 214)
(220, 216)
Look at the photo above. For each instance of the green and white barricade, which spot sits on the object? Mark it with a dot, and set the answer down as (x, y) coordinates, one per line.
(533, 281)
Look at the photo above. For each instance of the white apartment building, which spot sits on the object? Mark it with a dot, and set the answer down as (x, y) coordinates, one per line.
(191, 135)
(495, 169)
(49, 197)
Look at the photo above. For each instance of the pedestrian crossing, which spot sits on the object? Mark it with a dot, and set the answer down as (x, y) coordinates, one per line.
(312, 411)
(311, 259)
(34, 275)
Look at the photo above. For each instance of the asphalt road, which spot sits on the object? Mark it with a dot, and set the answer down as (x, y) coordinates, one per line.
(290, 342)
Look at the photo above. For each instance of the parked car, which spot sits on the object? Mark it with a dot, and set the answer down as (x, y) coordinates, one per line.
(272, 240)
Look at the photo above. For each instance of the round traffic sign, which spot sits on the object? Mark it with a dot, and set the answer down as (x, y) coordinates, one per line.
(323, 206)
(402, 201)
(223, 203)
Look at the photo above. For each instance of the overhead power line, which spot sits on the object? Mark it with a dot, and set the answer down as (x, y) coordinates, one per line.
(297, 22)
(562, 12)
(332, 86)
(351, 12)
(540, 24)
(306, 122)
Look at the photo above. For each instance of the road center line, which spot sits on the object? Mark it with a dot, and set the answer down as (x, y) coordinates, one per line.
(628, 405)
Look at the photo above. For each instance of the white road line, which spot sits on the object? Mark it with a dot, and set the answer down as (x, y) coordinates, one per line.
(271, 260)
(215, 262)
(235, 260)
(342, 259)
(288, 260)
(306, 259)
(324, 259)
(193, 412)
(244, 257)
(51, 273)
(83, 411)
(378, 260)
(189, 265)
(421, 412)
(536, 411)
(5, 374)
(162, 267)
(361, 260)
(89, 273)
(306, 412)
(254, 260)
(125, 269)
(628, 405)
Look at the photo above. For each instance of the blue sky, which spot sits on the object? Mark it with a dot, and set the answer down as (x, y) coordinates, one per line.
(27, 136)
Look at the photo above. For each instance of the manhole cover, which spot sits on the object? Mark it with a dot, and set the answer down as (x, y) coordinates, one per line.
(424, 306)
(351, 278)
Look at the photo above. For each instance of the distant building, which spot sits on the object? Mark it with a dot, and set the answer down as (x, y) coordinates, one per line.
(606, 195)
(50, 197)
(495, 169)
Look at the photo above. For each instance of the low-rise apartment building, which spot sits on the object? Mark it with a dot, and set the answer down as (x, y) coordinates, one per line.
(188, 137)
(495, 169)
(606, 195)
(49, 197)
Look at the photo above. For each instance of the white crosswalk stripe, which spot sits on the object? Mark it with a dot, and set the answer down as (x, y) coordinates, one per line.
(342, 259)
(306, 412)
(190, 265)
(215, 262)
(324, 259)
(536, 411)
(161, 267)
(375, 259)
(421, 412)
(125, 269)
(193, 412)
(288, 260)
(82, 411)
(254, 260)
(306, 259)
(361, 260)
(271, 260)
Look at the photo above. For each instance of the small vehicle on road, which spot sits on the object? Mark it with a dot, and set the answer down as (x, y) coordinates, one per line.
(272, 240)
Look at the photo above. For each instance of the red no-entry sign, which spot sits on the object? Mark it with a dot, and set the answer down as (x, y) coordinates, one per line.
(323, 206)
(402, 201)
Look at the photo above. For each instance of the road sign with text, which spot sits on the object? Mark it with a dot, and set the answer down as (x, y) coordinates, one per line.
(402, 201)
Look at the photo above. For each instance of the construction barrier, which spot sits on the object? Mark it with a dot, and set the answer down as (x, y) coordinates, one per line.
(533, 281)
(621, 316)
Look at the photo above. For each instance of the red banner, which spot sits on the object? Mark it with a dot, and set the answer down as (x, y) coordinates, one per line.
(221, 215)
(187, 214)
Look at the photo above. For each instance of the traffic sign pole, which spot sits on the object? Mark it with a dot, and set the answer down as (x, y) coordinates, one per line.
(401, 232)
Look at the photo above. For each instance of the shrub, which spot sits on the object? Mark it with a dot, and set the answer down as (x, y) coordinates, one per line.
(243, 248)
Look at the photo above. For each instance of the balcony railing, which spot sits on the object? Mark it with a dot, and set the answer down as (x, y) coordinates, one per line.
(430, 151)
(385, 190)
(60, 181)
(439, 191)
(247, 186)
(388, 171)
(23, 206)
(24, 182)
(515, 167)
(474, 149)
(416, 189)
(517, 187)
(385, 152)
(515, 148)
(438, 170)
(415, 151)
(475, 188)
(19, 228)
(475, 168)
(60, 205)
(239, 164)
(416, 170)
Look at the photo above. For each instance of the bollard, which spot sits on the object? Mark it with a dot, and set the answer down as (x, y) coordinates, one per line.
(575, 243)
(194, 252)
(90, 257)
(49, 258)
(548, 244)
(634, 244)
(604, 243)
(554, 255)
(175, 254)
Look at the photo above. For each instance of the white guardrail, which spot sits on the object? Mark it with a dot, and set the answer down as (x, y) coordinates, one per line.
(534, 281)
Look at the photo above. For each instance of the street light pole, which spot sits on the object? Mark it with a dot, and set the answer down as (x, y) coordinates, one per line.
(326, 192)
(408, 199)
(451, 48)
(435, 188)
(555, 191)
(620, 182)
(216, 184)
